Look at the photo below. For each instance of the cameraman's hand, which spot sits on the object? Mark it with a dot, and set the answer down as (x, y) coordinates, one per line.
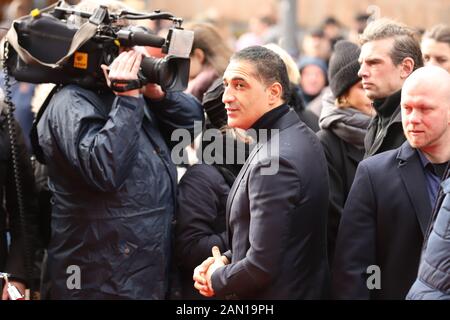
(124, 67)
(151, 90)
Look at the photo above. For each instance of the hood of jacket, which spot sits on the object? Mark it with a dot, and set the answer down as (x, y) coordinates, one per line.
(348, 124)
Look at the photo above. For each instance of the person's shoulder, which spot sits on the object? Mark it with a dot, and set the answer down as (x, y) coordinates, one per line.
(202, 173)
(382, 161)
(297, 128)
(72, 89)
(327, 136)
(331, 143)
(300, 136)
(202, 169)
(79, 98)
(69, 95)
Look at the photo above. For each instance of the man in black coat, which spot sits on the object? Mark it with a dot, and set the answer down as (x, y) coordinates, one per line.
(13, 255)
(389, 53)
(388, 209)
(277, 207)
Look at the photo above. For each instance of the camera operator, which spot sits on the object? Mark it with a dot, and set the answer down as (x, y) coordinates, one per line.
(113, 184)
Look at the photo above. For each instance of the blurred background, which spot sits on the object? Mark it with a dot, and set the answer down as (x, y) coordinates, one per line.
(309, 13)
(285, 22)
(418, 13)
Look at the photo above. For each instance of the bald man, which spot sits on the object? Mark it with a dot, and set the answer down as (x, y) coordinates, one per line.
(389, 205)
(432, 280)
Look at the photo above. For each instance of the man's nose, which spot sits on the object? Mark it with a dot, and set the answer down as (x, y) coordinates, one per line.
(362, 71)
(227, 96)
(415, 117)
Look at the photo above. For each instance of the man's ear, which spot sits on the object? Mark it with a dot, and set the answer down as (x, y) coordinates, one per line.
(199, 54)
(275, 92)
(407, 67)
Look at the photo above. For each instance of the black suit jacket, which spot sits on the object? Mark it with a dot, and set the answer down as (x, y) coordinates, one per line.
(277, 223)
(385, 217)
(343, 159)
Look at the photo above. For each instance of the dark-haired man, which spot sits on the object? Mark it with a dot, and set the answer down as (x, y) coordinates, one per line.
(276, 218)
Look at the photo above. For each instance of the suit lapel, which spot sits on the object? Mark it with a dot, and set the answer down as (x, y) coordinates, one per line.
(284, 122)
(240, 176)
(411, 172)
(235, 187)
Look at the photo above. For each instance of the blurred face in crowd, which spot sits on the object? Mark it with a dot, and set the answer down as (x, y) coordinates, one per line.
(258, 26)
(380, 77)
(246, 98)
(331, 30)
(425, 108)
(197, 58)
(312, 80)
(356, 97)
(315, 46)
(436, 53)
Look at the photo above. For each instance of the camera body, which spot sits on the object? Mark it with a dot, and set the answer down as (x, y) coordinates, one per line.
(48, 37)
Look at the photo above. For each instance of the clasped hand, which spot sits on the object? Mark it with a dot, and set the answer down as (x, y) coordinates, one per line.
(203, 272)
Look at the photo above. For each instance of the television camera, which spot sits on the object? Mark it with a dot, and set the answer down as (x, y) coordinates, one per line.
(45, 47)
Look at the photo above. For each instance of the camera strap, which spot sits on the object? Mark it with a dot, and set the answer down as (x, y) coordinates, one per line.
(86, 32)
(34, 138)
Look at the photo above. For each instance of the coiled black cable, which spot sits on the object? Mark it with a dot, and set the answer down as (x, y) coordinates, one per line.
(28, 256)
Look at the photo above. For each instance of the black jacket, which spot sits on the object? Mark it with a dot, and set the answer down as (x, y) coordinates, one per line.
(342, 158)
(14, 262)
(114, 190)
(383, 224)
(306, 115)
(342, 136)
(276, 219)
(385, 132)
(202, 197)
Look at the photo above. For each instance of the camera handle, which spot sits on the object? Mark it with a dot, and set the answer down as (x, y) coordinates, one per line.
(126, 85)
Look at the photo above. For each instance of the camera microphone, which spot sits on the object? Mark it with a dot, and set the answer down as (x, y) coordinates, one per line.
(129, 38)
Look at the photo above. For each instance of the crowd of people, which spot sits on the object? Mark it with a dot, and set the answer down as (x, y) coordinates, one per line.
(329, 174)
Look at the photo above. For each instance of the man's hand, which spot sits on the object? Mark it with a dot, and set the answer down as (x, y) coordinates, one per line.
(150, 90)
(203, 273)
(19, 285)
(199, 277)
(153, 91)
(125, 67)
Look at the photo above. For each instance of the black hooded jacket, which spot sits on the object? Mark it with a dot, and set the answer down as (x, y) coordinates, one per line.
(385, 132)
